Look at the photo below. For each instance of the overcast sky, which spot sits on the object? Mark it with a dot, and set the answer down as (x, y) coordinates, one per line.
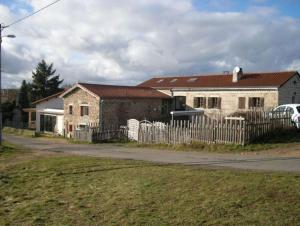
(128, 41)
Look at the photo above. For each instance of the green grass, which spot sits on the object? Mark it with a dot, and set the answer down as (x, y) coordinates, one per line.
(7, 150)
(73, 190)
(23, 132)
(280, 139)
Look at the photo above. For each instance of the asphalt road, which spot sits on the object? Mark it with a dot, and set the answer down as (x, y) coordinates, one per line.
(267, 162)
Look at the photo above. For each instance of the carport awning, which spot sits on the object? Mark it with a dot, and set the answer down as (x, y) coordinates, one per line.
(51, 111)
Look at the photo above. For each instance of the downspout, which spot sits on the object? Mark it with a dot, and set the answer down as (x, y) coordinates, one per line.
(173, 100)
(102, 114)
(173, 103)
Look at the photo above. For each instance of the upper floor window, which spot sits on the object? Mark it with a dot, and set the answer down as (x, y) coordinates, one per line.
(84, 110)
(200, 102)
(256, 102)
(214, 102)
(71, 109)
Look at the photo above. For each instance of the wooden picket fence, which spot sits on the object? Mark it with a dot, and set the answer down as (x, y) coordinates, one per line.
(222, 130)
(95, 134)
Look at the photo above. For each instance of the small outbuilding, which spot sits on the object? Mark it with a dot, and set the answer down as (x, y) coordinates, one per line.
(50, 114)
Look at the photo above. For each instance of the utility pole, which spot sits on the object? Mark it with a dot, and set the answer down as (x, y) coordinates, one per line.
(0, 85)
(8, 36)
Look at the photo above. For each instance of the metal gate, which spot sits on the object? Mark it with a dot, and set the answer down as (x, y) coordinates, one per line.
(133, 129)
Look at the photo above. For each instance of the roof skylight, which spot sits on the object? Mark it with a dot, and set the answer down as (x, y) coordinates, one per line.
(173, 80)
(159, 81)
(192, 79)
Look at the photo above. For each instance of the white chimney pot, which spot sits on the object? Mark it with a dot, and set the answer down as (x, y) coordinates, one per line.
(237, 74)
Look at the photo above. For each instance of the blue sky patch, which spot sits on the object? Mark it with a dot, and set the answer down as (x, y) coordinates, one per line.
(289, 8)
(17, 5)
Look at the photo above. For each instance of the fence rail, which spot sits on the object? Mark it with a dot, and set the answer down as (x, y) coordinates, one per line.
(237, 130)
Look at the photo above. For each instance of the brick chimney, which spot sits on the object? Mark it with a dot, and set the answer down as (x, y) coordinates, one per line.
(237, 74)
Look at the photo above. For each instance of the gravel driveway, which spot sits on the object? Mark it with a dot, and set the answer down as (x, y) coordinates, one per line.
(267, 162)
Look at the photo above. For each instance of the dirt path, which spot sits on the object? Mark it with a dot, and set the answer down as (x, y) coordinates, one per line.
(284, 161)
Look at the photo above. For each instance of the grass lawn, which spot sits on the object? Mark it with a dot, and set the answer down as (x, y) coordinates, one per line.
(23, 132)
(56, 189)
(288, 139)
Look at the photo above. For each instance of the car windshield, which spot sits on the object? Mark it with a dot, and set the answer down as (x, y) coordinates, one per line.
(298, 109)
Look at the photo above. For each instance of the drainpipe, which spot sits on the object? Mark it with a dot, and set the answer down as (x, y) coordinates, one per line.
(173, 100)
(173, 106)
(102, 114)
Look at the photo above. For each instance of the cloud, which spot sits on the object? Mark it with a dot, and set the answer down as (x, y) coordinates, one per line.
(126, 42)
(295, 65)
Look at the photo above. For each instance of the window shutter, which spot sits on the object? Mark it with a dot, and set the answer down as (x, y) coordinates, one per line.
(209, 102)
(81, 110)
(262, 102)
(242, 102)
(219, 102)
(250, 102)
(196, 102)
(204, 102)
(87, 110)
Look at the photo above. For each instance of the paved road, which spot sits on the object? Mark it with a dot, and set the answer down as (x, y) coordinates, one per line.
(255, 162)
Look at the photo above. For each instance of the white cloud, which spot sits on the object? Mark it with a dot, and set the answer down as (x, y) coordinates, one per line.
(126, 42)
(294, 66)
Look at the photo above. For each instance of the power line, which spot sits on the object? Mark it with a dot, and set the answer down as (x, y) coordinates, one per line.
(24, 18)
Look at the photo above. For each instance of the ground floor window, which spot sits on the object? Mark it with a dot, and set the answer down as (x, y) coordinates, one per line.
(214, 102)
(256, 102)
(83, 126)
(180, 103)
(70, 128)
(47, 123)
(200, 102)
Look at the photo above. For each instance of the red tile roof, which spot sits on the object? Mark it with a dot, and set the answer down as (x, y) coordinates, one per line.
(110, 91)
(271, 79)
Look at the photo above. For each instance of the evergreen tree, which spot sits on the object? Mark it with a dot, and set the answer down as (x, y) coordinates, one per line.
(23, 100)
(7, 111)
(23, 97)
(44, 81)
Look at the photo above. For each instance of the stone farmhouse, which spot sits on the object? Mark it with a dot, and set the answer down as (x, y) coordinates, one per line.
(229, 93)
(86, 104)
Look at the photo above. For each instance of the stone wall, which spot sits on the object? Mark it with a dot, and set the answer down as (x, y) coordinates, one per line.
(77, 98)
(289, 89)
(118, 111)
